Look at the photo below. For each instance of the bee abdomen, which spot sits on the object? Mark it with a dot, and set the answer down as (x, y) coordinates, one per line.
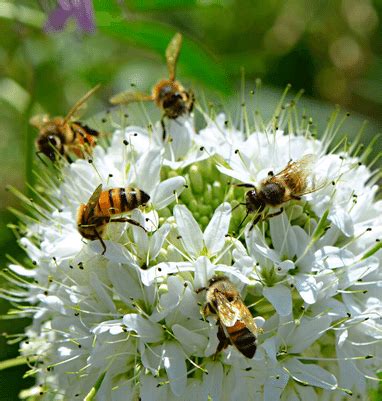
(131, 198)
(120, 200)
(244, 340)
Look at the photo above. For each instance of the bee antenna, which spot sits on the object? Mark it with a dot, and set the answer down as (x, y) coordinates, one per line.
(239, 204)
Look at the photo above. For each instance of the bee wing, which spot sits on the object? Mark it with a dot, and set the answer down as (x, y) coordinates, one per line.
(296, 175)
(80, 103)
(227, 311)
(172, 54)
(130, 97)
(39, 120)
(245, 316)
(93, 200)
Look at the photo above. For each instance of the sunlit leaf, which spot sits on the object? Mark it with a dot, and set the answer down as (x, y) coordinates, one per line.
(193, 60)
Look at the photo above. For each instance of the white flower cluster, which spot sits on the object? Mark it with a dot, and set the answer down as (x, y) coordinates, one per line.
(128, 325)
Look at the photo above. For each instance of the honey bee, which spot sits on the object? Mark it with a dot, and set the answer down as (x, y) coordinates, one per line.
(93, 216)
(64, 136)
(235, 322)
(168, 94)
(290, 183)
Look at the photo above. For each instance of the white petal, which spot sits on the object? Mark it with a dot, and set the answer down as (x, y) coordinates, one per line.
(356, 271)
(172, 297)
(148, 331)
(137, 137)
(157, 240)
(152, 358)
(180, 131)
(112, 326)
(114, 251)
(53, 302)
(239, 175)
(204, 270)
(150, 389)
(307, 333)
(233, 271)
(213, 382)
(215, 232)
(33, 252)
(306, 393)
(163, 270)
(22, 271)
(270, 347)
(342, 337)
(146, 172)
(164, 193)
(175, 365)
(125, 281)
(192, 342)
(140, 236)
(307, 287)
(311, 374)
(258, 248)
(280, 297)
(275, 384)
(283, 236)
(192, 237)
(341, 218)
(100, 292)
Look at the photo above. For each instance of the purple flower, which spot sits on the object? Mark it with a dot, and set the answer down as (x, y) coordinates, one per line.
(80, 10)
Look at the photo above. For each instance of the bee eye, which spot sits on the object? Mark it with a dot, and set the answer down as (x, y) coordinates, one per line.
(52, 140)
(230, 298)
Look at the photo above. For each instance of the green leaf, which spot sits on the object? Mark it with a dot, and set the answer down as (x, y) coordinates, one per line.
(152, 5)
(26, 15)
(193, 60)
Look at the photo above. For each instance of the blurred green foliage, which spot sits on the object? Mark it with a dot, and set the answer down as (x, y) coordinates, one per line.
(331, 48)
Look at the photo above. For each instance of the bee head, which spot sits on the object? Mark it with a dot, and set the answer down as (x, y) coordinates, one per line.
(216, 278)
(254, 202)
(50, 145)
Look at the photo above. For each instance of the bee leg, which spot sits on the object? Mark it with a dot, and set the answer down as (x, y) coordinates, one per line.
(201, 289)
(239, 204)
(268, 216)
(127, 220)
(295, 197)
(246, 215)
(163, 128)
(224, 341)
(255, 221)
(101, 241)
(244, 185)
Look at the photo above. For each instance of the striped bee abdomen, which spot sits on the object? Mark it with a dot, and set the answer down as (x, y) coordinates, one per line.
(243, 339)
(120, 200)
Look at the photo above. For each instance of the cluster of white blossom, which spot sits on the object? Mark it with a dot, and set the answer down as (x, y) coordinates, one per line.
(128, 325)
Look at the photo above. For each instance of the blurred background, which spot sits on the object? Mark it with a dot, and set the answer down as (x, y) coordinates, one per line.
(330, 48)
